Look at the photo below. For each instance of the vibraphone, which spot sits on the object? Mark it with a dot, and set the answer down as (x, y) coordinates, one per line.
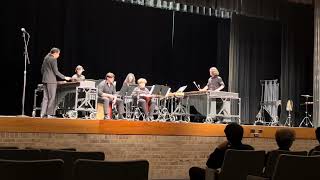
(72, 98)
(215, 106)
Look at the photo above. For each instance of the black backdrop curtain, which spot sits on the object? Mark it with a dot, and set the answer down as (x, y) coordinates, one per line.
(263, 49)
(255, 54)
(108, 36)
(121, 38)
(200, 43)
(269, 9)
(297, 58)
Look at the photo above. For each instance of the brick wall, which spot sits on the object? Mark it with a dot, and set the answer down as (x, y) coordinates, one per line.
(169, 156)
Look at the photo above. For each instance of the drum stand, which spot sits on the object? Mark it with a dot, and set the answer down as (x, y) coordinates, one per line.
(137, 112)
(289, 108)
(288, 121)
(306, 120)
(181, 111)
(163, 112)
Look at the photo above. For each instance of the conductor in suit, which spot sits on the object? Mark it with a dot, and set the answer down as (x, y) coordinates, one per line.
(49, 71)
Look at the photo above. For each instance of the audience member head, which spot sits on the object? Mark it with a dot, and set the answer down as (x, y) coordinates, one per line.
(234, 133)
(130, 79)
(142, 82)
(285, 138)
(318, 134)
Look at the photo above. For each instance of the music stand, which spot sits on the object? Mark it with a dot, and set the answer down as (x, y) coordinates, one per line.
(165, 90)
(181, 89)
(150, 87)
(131, 88)
(156, 90)
(127, 90)
(123, 91)
(163, 112)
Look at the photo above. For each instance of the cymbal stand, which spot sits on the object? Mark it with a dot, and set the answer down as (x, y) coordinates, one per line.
(306, 120)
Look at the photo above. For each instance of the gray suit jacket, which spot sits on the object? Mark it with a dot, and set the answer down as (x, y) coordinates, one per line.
(49, 70)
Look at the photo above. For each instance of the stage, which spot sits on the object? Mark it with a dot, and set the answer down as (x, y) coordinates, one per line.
(130, 127)
(170, 148)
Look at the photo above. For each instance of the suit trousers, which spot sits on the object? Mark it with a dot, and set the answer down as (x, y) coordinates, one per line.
(49, 99)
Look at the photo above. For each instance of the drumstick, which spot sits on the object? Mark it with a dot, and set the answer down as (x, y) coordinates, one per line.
(198, 86)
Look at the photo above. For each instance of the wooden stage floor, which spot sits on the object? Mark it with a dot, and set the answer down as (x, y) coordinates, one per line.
(125, 127)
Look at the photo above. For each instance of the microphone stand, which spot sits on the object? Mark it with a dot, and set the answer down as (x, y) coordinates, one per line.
(26, 60)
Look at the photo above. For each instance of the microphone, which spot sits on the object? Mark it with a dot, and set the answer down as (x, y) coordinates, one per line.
(24, 31)
(198, 86)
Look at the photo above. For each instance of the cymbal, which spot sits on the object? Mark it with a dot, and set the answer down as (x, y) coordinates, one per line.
(306, 95)
(306, 103)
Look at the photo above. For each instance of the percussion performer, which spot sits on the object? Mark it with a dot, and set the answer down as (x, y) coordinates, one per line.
(144, 98)
(49, 71)
(130, 80)
(78, 76)
(107, 94)
(215, 82)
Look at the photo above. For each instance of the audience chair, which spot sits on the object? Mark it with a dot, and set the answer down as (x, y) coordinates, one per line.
(111, 170)
(31, 170)
(315, 153)
(69, 158)
(21, 154)
(8, 147)
(237, 164)
(294, 167)
(272, 158)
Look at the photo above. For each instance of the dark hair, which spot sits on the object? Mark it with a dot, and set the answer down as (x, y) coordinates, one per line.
(318, 134)
(54, 50)
(285, 138)
(126, 81)
(234, 133)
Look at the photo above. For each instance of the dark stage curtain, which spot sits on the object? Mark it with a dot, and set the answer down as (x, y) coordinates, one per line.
(297, 58)
(121, 38)
(255, 54)
(200, 42)
(268, 9)
(46, 30)
(316, 65)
